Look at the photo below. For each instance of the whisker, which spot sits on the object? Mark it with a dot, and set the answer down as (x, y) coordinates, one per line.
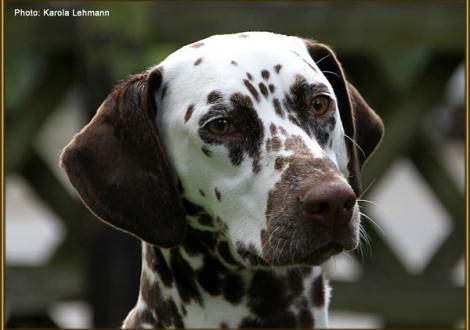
(271, 235)
(367, 201)
(366, 239)
(365, 190)
(357, 145)
(360, 252)
(331, 72)
(372, 221)
(363, 246)
(324, 57)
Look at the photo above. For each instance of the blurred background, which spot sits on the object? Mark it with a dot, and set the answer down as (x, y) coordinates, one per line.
(66, 269)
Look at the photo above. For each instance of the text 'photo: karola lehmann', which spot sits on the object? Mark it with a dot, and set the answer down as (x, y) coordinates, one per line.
(47, 12)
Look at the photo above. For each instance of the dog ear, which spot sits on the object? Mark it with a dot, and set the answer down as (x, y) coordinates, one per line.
(119, 167)
(362, 126)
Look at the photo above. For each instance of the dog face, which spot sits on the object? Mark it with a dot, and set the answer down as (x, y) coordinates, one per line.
(261, 130)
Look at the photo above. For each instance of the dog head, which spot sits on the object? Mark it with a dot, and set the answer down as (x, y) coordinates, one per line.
(259, 132)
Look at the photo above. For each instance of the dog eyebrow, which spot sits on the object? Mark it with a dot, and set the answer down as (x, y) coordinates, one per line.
(320, 89)
(302, 88)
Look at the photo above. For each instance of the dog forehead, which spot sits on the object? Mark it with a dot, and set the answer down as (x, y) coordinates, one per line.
(249, 63)
(223, 58)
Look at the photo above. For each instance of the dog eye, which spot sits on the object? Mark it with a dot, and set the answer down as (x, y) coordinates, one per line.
(321, 105)
(221, 126)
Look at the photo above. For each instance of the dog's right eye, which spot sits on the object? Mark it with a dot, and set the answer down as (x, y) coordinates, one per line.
(221, 126)
(320, 105)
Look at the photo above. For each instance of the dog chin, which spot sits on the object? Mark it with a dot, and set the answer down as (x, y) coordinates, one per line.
(322, 254)
(309, 256)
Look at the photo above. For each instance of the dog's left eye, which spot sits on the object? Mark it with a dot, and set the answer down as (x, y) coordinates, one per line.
(221, 126)
(321, 105)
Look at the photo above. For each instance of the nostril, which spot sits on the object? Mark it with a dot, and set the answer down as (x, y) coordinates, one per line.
(318, 208)
(349, 204)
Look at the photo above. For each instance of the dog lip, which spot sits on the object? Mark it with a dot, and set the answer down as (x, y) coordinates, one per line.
(349, 245)
(322, 253)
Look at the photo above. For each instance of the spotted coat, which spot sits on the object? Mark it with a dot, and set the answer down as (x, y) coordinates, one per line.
(212, 158)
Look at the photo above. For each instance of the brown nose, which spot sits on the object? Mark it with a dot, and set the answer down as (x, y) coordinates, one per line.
(328, 203)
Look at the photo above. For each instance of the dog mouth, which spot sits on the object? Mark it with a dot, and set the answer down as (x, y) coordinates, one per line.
(323, 253)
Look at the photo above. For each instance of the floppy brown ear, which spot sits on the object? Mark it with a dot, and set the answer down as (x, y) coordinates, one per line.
(119, 168)
(369, 128)
(362, 126)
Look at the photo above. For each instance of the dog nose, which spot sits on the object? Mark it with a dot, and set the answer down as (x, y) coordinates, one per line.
(329, 203)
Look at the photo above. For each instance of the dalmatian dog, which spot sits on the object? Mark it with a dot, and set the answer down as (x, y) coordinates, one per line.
(237, 162)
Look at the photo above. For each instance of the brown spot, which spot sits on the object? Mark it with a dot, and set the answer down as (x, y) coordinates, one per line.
(233, 62)
(295, 281)
(323, 128)
(276, 144)
(263, 90)
(305, 317)
(234, 287)
(141, 317)
(294, 120)
(272, 88)
(206, 151)
(249, 76)
(150, 291)
(188, 113)
(214, 97)
(243, 35)
(191, 208)
(202, 193)
(279, 163)
(256, 166)
(185, 277)
(225, 253)
(267, 287)
(217, 194)
(199, 242)
(318, 291)
(168, 315)
(273, 129)
(278, 108)
(157, 263)
(198, 61)
(197, 45)
(265, 74)
(222, 226)
(249, 254)
(251, 89)
(205, 219)
(277, 68)
(296, 143)
(273, 144)
(209, 276)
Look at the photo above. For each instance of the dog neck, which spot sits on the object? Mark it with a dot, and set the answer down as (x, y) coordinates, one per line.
(200, 284)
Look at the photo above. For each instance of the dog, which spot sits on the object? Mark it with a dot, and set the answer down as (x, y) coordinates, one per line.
(237, 162)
